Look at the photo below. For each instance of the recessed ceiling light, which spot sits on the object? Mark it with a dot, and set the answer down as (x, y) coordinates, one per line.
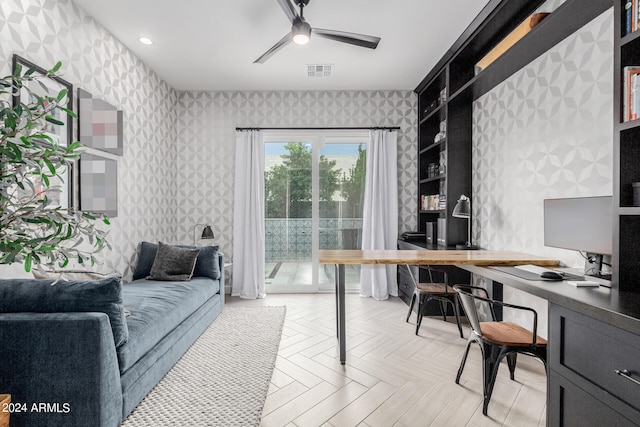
(145, 40)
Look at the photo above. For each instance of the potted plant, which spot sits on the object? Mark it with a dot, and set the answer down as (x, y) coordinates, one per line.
(33, 229)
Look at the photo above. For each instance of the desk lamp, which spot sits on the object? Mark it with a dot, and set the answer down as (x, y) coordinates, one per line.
(463, 210)
(207, 233)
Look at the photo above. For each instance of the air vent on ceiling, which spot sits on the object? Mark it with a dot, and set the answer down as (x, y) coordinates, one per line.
(319, 70)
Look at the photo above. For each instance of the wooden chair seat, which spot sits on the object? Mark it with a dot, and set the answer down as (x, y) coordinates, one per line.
(508, 333)
(435, 289)
(497, 340)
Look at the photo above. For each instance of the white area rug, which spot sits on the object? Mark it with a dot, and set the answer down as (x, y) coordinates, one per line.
(222, 380)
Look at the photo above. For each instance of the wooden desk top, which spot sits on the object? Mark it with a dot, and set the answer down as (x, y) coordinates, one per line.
(431, 257)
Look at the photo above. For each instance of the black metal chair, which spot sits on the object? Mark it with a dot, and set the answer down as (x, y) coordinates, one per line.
(497, 339)
(437, 291)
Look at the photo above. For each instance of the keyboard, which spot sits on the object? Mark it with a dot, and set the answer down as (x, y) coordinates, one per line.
(536, 269)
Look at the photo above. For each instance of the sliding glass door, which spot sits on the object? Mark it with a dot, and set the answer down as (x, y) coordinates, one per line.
(314, 186)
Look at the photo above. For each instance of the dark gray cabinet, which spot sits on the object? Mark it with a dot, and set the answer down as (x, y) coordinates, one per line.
(587, 357)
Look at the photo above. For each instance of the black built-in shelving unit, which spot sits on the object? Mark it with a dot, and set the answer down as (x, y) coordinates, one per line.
(626, 168)
(455, 74)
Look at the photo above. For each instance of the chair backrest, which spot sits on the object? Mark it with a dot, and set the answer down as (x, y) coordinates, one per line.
(469, 307)
(445, 277)
(468, 302)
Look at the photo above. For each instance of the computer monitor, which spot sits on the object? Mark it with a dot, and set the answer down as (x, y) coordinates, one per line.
(581, 224)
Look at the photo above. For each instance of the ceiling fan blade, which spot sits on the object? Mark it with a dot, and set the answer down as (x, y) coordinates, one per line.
(363, 40)
(276, 47)
(289, 10)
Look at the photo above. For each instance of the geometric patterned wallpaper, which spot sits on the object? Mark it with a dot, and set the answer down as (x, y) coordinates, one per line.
(177, 167)
(545, 132)
(206, 143)
(47, 31)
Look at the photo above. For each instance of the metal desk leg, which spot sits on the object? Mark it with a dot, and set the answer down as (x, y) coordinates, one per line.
(340, 313)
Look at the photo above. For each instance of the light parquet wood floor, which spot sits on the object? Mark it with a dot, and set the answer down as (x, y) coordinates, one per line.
(392, 377)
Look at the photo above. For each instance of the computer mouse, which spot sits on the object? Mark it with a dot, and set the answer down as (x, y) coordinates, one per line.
(552, 275)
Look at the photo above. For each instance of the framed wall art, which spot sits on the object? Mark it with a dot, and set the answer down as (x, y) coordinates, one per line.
(98, 184)
(99, 124)
(44, 86)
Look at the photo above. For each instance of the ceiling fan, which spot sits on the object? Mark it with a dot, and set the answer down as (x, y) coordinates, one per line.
(301, 32)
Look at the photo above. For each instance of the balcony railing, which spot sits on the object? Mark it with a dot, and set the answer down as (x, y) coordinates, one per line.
(289, 240)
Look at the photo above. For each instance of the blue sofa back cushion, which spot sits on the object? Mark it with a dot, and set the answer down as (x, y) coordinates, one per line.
(39, 296)
(206, 264)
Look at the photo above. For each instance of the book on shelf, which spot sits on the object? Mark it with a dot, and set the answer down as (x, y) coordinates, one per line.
(628, 15)
(631, 11)
(442, 231)
(631, 95)
(433, 202)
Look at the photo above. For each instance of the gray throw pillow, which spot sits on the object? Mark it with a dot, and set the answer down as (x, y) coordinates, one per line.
(173, 263)
(207, 263)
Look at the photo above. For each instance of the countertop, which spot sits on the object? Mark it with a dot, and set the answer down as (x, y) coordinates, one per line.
(620, 309)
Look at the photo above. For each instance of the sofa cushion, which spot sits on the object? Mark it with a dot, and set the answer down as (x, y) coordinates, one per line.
(173, 263)
(40, 296)
(158, 307)
(206, 263)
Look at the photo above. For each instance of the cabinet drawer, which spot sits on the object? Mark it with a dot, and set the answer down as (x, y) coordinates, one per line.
(571, 406)
(594, 350)
(405, 284)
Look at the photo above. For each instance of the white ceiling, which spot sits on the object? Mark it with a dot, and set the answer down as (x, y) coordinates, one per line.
(211, 44)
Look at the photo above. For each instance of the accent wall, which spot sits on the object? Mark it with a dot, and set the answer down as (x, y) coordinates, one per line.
(546, 132)
(47, 31)
(206, 123)
(177, 167)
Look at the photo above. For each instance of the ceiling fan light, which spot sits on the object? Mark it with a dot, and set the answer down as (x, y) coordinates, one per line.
(301, 32)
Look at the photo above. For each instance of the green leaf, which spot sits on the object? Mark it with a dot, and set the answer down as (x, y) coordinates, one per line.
(53, 120)
(73, 146)
(18, 71)
(30, 71)
(42, 136)
(11, 256)
(106, 221)
(51, 167)
(62, 94)
(27, 263)
(69, 112)
(16, 151)
(55, 68)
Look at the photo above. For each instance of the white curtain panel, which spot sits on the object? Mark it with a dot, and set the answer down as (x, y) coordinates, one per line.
(248, 217)
(380, 218)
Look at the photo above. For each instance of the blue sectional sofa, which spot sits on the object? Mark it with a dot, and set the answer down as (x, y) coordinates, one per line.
(70, 357)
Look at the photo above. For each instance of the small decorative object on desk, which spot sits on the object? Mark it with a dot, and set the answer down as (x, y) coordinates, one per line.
(5, 401)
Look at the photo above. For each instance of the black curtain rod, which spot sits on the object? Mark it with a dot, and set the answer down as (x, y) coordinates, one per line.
(328, 128)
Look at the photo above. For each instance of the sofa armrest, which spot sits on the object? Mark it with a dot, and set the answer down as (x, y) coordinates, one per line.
(61, 369)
